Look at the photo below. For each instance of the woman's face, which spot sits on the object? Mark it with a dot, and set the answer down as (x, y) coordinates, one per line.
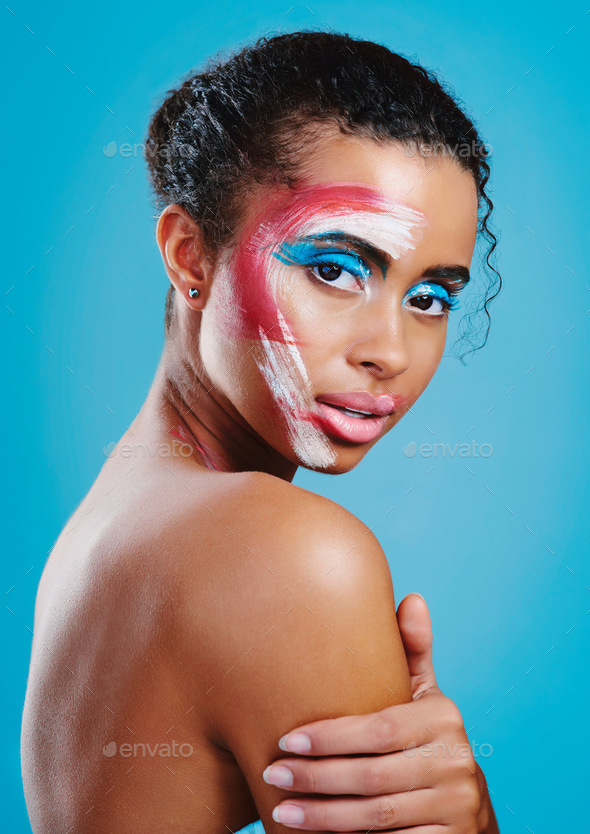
(333, 300)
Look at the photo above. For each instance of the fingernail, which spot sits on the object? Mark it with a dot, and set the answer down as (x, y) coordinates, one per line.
(295, 743)
(289, 814)
(278, 775)
(418, 595)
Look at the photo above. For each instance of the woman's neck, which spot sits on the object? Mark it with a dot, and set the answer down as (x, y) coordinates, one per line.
(183, 403)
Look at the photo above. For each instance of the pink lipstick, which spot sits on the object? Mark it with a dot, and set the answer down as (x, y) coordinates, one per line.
(358, 416)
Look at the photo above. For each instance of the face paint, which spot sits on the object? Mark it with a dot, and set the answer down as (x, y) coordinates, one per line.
(325, 211)
(285, 374)
(210, 458)
(433, 293)
(260, 270)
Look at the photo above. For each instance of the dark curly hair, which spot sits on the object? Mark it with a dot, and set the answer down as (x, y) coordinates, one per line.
(248, 119)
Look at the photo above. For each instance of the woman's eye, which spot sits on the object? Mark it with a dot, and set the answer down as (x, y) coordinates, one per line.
(335, 274)
(428, 304)
(343, 269)
(431, 300)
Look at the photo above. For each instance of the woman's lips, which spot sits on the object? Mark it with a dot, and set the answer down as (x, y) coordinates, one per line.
(381, 405)
(361, 429)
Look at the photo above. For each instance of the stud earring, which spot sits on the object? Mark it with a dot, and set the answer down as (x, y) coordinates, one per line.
(193, 292)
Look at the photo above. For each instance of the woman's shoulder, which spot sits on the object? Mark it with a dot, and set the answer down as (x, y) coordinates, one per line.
(204, 539)
(262, 496)
(193, 526)
(228, 553)
(261, 545)
(254, 513)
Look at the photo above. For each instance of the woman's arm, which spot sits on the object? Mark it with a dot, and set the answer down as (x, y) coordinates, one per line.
(302, 628)
(435, 751)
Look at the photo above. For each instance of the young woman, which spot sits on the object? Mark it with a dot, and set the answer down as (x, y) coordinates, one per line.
(319, 220)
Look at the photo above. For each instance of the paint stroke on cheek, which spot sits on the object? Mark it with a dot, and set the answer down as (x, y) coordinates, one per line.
(284, 372)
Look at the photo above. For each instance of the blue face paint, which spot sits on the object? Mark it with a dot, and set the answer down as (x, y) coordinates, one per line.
(307, 252)
(436, 292)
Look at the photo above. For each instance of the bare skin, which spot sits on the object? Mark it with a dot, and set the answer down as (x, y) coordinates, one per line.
(219, 608)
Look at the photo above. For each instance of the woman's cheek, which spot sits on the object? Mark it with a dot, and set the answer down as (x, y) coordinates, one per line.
(259, 325)
(224, 350)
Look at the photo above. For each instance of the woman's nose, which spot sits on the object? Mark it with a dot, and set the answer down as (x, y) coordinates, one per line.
(380, 343)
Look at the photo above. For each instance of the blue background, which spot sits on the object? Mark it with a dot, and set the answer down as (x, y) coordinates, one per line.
(496, 544)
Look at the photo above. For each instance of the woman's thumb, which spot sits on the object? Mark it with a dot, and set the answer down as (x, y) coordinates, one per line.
(416, 632)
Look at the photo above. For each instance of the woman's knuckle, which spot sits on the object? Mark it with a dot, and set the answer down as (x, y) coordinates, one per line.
(461, 762)
(384, 812)
(317, 815)
(309, 778)
(374, 778)
(452, 714)
(474, 803)
(467, 796)
(469, 761)
(383, 734)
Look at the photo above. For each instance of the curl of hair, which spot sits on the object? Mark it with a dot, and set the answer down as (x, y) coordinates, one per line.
(249, 119)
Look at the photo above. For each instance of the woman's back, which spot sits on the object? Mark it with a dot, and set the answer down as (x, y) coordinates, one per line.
(111, 717)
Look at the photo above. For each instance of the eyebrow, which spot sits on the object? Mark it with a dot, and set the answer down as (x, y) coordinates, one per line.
(382, 259)
(378, 256)
(448, 271)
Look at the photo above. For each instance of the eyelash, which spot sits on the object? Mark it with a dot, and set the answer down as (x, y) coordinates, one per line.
(348, 263)
(450, 302)
(363, 272)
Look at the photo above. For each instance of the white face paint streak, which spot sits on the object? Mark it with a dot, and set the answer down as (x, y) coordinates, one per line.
(287, 379)
(390, 231)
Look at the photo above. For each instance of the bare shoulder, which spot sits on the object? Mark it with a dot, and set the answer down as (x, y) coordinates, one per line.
(294, 615)
(258, 537)
(230, 552)
(279, 517)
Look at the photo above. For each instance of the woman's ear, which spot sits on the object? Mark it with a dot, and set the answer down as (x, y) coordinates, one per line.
(187, 263)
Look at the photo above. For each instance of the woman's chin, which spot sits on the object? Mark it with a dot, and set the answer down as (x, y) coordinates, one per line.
(345, 461)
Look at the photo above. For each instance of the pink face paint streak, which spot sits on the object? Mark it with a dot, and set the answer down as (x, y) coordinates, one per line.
(254, 313)
(210, 458)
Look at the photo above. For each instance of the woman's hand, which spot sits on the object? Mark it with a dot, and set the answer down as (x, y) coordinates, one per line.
(424, 775)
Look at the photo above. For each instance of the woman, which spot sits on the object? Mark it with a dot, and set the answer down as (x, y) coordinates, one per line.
(319, 220)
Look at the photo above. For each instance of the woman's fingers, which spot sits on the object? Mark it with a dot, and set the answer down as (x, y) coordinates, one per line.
(390, 729)
(378, 732)
(370, 776)
(412, 808)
